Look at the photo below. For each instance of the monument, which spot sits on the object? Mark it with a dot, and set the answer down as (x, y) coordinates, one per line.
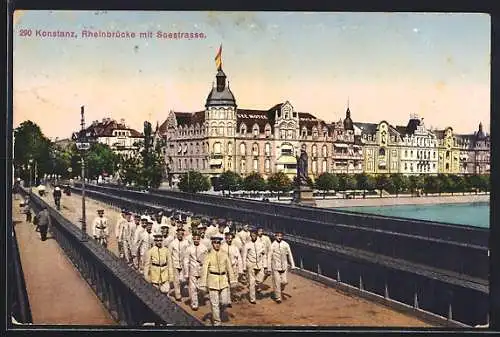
(303, 194)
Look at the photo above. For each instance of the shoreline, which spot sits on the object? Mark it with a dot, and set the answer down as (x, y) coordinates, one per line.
(455, 199)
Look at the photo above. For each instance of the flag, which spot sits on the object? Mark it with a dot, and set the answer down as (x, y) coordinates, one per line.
(218, 58)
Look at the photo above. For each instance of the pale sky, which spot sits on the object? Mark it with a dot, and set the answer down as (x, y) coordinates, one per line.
(388, 65)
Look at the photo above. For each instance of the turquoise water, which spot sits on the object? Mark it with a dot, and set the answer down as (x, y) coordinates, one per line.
(473, 214)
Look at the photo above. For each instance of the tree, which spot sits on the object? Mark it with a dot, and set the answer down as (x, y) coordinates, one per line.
(416, 183)
(350, 182)
(254, 182)
(398, 183)
(279, 182)
(30, 143)
(382, 182)
(446, 183)
(229, 181)
(326, 182)
(100, 159)
(194, 182)
(431, 184)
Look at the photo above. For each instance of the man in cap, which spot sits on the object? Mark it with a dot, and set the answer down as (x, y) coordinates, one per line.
(44, 222)
(158, 267)
(166, 238)
(203, 239)
(244, 235)
(57, 194)
(222, 229)
(279, 256)
(123, 235)
(214, 276)
(211, 229)
(157, 222)
(120, 238)
(266, 241)
(178, 248)
(144, 241)
(141, 223)
(196, 254)
(132, 224)
(100, 230)
(234, 256)
(254, 263)
(165, 217)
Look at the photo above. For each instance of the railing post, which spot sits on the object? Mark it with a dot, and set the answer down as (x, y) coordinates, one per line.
(450, 312)
(386, 291)
(415, 300)
(338, 275)
(301, 263)
(319, 269)
(360, 283)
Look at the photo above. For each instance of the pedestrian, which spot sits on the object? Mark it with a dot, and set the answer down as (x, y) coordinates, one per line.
(203, 239)
(27, 209)
(254, 263)
(44, 222)
(280, 259)
(158, 267)
(244, 235)
(196, 254)
(234, 256)
(100, 230)
(178, 248)
(166, 238)
(211, 229)
(136, 256)
(57, 197)
(214, 278)
(119, 228)
(145, 243)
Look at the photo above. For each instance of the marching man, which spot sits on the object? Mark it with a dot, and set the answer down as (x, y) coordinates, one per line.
(141, 227)
(234, 256)
(123, 236)
(166, 238)
(280, 255)
(145, 243)
(158, 267)
(243, 236)
(196, 254)
(120, 223)
(254, 263)
(100, 230)
(214, 277)
(178, 248)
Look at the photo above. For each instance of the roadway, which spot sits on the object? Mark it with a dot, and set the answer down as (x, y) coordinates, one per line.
(305, 303)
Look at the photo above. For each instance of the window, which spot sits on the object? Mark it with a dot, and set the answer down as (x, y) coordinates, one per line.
(255, 130)
(447, 154)
(268, 130)
(304, 132)
(314, 150)
(229, 130)
(243, 165)
(217, 148)
(315, 132)
(180, 164)
(243, 149)
(267, 165)
(230, 148)
(243, 129)
(256, 165)
(325, 152)
(315, 166)
(411, 153)
(406, 166)
(255, 149)
(381, 152)
(197, 163)
(282, 134)
(267, 149)
(185, 163)
(406, 153)
(229, 165)
(289, 134)
(324, 166)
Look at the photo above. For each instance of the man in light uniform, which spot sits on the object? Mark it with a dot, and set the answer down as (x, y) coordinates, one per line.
(214, 276)
(279, 256)
(157, 222)
(123, 236)
(100, 230)
(203, 239)
(141, 227)
(158, 267)
(254, 263)
(233, 253)
(244, 235)
(145, 243)
(211, 229)
(196, 254)
(166, 238)
(165, 218)
(178, 248)
(120, 223)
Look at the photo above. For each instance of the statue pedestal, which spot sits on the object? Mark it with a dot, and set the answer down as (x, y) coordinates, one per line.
(303, 195)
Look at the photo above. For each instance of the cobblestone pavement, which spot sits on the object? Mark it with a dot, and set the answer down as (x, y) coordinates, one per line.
(305, 303)
(57, 293)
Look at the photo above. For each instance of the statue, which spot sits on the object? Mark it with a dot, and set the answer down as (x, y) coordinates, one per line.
(302, 168)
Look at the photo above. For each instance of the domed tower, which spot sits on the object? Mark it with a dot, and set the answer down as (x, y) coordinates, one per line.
(348, 125)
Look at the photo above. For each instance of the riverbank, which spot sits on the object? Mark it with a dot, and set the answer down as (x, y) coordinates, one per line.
(448, 199)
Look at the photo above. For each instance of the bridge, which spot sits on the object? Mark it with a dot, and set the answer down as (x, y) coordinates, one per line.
(354, 269)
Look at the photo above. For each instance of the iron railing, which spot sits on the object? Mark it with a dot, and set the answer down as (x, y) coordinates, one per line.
(452, 297)
(18, 294)
(127, 296)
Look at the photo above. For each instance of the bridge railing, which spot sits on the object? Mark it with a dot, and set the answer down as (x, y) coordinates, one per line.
(400, 283)
(458, 257)
(128, 297)
(18, 294)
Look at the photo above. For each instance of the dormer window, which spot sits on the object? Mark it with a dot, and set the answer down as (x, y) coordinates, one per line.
(255, 130)
(268, 130)
(255, 149)
(243, 129)
(304, 132)
(315, 132)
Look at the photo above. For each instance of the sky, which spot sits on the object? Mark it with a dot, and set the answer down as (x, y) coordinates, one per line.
(386, 65)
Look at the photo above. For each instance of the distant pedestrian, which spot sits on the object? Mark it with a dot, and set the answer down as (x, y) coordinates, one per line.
(27, 209)
(44, 222)
(280, 259)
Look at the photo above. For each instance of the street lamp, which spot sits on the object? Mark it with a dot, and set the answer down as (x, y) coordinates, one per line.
(30, 166)
(83, 140)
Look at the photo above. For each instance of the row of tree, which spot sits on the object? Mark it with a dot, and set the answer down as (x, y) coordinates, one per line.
(394, 184)
(36, 156)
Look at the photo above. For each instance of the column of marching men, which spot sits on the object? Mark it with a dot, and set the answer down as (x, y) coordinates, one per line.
(206, 255)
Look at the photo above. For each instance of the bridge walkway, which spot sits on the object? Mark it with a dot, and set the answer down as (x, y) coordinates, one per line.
(305, 302)
(57, 294)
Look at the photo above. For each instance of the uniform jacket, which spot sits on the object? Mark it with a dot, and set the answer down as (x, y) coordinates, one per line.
(266, 241)
(131, 231)
(145, 243)
(196, 256)
(122, 230)
(158, 267)
(211, 230)
(167, 240)
(233, 252)
(244, 237)
(216, 270)
(137, 238)
(278, 256)
(179, 251)
(119, 224)
(100, 228)
(254, 255)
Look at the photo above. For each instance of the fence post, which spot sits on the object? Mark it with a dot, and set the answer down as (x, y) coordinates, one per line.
(415, 300)
(386, 291)
(338, 275)
(301, 263)
(360, 282)
(450, 312)
(319, 269)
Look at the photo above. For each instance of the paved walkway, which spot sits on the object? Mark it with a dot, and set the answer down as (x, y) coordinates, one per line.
(58, 295)
(305, 303)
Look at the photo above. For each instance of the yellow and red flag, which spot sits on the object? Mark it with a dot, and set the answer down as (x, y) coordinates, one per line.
(218, 58)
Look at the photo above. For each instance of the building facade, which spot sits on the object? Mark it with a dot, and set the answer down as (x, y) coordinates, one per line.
(224, 137)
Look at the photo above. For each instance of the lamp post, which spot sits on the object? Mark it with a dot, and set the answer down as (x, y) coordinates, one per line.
(30, 166)
(82, 140)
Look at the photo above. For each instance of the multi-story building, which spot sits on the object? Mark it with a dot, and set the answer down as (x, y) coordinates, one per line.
(224, 137)
(450, 156)
(119, 137)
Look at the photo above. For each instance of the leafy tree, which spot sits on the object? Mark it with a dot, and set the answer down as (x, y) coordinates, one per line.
(326, 182)
(416, 183)
(342, 181)
(194, 182)
(100, 159)
(398, 183)
(382, 182)
(30, 143)
(254, 182)
(229, 181)
(350, 182)
(432, 184)
(279, 182)
(446, 183)
(484, 182)
(130, 170)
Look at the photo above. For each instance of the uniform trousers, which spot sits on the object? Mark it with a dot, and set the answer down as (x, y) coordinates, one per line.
(164, 287)
(121, 251)
(178, 279)
(126, 251)
(279, 283)
(255, 277)
(193, 290)
(217, 297)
